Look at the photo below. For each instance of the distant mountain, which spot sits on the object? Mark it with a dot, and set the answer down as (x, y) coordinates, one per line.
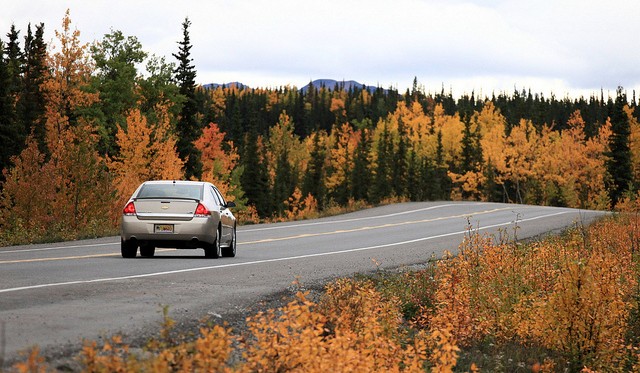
(329, 84)
(227, 85)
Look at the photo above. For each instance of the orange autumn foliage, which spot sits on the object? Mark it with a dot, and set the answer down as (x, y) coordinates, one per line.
(298, 208)
(147, 152)
(343, 141)
(300, 339)
(75, 194)
(572, 295)
(21, 205)
(283, 140)
(219, 159)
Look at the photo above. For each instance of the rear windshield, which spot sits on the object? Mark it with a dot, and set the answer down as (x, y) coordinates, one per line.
(170, 191)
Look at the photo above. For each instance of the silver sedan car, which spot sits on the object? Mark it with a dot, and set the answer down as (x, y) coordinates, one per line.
(178, 214)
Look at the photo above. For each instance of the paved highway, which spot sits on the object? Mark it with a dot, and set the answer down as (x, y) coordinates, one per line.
(57, 294)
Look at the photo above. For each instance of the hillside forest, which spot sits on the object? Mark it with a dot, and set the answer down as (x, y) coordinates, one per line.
(83, 124)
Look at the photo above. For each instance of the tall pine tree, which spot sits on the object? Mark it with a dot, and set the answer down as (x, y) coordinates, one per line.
(361, 175)
(619, 164)
(188, 127)
(31, 105)
(400, 165)
(12, 133)
(255, 178)
(314, 177)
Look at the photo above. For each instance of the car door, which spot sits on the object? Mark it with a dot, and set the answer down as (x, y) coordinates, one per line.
(226, 217)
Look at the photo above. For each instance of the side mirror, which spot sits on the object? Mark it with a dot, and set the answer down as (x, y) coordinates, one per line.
(231, 204)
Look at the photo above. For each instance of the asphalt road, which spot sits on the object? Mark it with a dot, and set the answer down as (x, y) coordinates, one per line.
(59, 294)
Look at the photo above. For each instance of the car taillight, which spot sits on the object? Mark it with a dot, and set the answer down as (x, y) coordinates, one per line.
(202, 211)
(129, 209)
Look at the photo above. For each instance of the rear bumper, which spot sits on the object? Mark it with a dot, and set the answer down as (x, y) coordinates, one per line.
(196, 232)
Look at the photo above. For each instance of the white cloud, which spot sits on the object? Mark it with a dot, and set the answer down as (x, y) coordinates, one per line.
(490, 45)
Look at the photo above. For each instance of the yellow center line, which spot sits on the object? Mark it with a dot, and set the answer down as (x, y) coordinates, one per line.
(65, 258)
(266, 240)
(367, 228)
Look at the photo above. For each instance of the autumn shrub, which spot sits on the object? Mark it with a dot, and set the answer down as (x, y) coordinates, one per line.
(352, 330)
(357, 305)
(573, 295)
(413, 289)
(298, 207)
(34, 363)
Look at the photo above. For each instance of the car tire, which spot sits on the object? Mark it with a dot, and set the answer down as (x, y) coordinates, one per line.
(128, 249)
(147, 251)
(231, 250)
(214, 250)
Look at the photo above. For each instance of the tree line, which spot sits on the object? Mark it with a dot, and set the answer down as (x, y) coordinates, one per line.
(82, 125)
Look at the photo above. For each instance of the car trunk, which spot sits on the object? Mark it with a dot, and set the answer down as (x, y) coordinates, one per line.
(165, 209)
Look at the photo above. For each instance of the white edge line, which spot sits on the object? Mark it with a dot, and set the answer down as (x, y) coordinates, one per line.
(110, 279)
(256, 229)
(57, 248)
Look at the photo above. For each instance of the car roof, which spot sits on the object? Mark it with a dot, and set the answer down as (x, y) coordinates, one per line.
(175, 182)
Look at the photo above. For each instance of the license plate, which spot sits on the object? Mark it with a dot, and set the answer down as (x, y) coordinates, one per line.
(163, 228)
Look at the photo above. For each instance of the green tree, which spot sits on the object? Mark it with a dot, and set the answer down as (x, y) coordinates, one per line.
(361, 175)
(619, 164)
(188, 127)
(415, 189)
(31, 105)
(471, 148)
(8, 129)
(283, 183)
(441, 184)
(157, 88)
(255, 178)
(399, 170)
(15, 60)
(115, 78)
(313, 182)
(12, 132)
(381, 187)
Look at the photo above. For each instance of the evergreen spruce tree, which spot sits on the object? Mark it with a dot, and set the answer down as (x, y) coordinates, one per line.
(414, 187)
(442, 183)
(361, 175)
(381, 188)
(490, 188)
(314, 177)
(619, 163)
(471, 149)
(188, 128)
(10, 131)
(255, 179)
(399, 172)
(31, 103)
(428, 180)
(282, 184)
(15, 59)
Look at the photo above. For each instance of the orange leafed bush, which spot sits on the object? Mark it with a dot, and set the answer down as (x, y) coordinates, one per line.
(572, 295)
(359, 338)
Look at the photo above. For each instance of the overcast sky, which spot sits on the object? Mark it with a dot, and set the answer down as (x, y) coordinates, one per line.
(568, 47)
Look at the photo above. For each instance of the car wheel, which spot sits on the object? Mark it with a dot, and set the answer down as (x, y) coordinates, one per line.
(128, 249)
(147, 251)
(214, 250)
(231, 250)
